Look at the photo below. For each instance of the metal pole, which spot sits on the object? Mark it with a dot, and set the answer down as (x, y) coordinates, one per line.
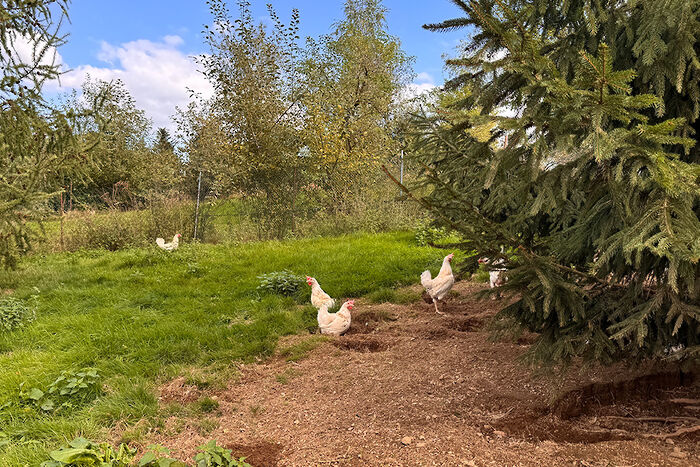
(401, 176)
(196, 210)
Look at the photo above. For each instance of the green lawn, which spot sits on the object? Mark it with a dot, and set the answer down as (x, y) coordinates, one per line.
(141, 316)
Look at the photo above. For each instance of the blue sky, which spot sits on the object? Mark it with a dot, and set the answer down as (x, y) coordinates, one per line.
(149, 43)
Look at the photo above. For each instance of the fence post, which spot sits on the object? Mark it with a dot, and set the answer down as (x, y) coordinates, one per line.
(196, 209)
(401, 176)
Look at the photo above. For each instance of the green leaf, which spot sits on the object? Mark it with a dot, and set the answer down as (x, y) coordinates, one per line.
(148, 457)
(75, 456)
(35, 394)
(47, 406)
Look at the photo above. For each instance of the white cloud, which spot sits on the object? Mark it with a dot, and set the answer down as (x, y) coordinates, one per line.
(157, 74)
(423, 83)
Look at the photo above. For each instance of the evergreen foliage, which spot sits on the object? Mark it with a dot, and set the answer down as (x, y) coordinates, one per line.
(565, 135)
(37, 142)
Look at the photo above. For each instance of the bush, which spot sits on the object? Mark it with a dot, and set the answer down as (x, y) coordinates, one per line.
(14, 314)
(281, 282)
(427, 234)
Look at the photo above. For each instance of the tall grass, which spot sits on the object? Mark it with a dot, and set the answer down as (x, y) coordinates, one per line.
(141, 316)
(220, 221)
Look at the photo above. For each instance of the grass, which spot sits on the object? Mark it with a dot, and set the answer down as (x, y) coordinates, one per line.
(143, 316)
(388, 295)
(301, 349)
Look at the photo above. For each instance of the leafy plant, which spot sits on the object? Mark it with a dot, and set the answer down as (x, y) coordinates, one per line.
(212, 455)
(14, 314)
(427, 234)
(83, 453)
(71, 388)
(281, 282)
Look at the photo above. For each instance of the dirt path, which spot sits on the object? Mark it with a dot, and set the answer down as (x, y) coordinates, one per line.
(421, 389)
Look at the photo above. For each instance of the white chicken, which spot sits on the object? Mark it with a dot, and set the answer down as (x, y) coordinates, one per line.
(172, 246)
(496, 275)
(438, 287)
(319, 298)
(335, 324)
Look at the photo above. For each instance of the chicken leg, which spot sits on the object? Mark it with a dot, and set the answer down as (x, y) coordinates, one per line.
(436, 308)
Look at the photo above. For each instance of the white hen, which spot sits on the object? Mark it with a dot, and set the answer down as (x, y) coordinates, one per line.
(496, 274)
(438, 287)
(335, 324)
(172, 246)
(319, 298)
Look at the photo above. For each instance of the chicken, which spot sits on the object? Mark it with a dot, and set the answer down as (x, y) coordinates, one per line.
(335, 324)
(172, 246)
(319, 298)
(496, 276)
(438, 287)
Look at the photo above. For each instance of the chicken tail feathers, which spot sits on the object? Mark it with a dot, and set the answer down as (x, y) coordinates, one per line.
(160, 242)
(425, 278)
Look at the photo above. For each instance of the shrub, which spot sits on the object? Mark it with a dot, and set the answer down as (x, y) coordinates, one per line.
(281, 282)
(427, 234)
(14, 314)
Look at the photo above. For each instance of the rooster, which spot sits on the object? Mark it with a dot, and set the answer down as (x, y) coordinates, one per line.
(172, 246)
(335, 324)
(438, 287)
(319, 298)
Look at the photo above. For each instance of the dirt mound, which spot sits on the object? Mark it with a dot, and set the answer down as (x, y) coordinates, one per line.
(177, 390)
(465, 324)
(361, 344)
(367, 321)
(642, 389)
(261, 454)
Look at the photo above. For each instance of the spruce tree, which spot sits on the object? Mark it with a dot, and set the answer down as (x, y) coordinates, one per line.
(575, 157)
(37, 142)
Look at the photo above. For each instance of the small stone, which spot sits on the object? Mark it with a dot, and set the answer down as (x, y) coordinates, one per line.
(469, 463)
(406, 440)
(500, 434)
(669, 441)
(420, 445)
(677, 453)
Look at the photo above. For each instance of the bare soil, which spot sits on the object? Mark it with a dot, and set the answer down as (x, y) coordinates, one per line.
(409, 387)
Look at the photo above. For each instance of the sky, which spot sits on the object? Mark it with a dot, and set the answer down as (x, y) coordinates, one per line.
(150, 44)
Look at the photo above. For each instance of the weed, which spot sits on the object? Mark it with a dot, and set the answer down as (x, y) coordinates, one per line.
(207, 425)
(14, 314)
(281, 282)
(286, 375)
(70, 389)
(212, 455)
(207, 405)
(256, 410)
